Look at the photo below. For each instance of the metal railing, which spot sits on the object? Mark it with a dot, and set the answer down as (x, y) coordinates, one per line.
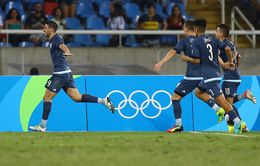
(234, 22)
(128, 32)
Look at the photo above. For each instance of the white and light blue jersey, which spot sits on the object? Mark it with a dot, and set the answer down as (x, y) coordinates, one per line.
(193, 71)
(206, 47)
(58, 59)
(230, 75)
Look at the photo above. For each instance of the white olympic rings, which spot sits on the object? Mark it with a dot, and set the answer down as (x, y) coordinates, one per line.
(156, 104)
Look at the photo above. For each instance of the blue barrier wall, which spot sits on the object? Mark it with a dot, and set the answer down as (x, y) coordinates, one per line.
(142, 102)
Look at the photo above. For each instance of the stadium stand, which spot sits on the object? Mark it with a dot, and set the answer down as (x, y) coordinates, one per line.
(86, 10)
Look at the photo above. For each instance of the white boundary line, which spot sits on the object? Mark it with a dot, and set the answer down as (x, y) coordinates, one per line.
(224, 134)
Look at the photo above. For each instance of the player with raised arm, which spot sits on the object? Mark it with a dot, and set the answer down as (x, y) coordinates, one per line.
(62, 77)
(192, 77)
(207, 48)
(231, 77)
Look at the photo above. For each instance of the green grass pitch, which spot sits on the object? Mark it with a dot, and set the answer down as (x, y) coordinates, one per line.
(129, 149)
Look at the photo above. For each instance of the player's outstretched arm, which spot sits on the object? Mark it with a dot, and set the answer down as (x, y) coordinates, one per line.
(65, 49)
(167, 57)
(189, 59)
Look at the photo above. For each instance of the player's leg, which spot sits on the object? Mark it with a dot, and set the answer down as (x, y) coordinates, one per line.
(52, 86)
(214, 89)
(73, 93)
(246, 95)
(201, 93)
(182, 89)
(230, 90)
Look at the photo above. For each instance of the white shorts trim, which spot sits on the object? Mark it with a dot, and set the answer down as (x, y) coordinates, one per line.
(213, 79)
(193, 78)
(232, 80)
(62, 72)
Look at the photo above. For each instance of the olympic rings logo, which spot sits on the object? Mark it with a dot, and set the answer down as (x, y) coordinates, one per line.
(156, 104)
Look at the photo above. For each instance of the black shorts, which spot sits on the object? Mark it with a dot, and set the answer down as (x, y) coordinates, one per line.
(212, 88)
(58, 81)
(186, 86)
(230, 88)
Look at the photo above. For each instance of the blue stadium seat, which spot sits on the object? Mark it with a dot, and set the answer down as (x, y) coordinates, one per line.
(46, 44)
(5, 44)
(73, 44)
(95, 22)
(168, 40)
(84, 40)
(26, 44)
(132, 10)
(103, 39)
(73, 23)
(84, 9)
(17, 5)
(104, 10)
(99, 2)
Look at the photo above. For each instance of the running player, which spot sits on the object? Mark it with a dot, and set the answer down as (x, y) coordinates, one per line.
(192, 77)
(62, 77)
(231, 77)
(207, 48)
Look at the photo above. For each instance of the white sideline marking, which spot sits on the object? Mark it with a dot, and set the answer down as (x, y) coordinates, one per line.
(225, 134)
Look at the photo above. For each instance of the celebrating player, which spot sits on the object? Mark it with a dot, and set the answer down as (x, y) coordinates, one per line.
(192, 77)
(231, 77)
(62, 78)
(207, 48)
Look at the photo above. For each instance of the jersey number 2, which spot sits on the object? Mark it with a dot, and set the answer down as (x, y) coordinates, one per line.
(209, 47)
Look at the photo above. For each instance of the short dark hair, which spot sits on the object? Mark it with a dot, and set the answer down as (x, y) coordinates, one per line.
(201, 24)
(189, 25)
(52, 25)
(150, 4)
(224, 29)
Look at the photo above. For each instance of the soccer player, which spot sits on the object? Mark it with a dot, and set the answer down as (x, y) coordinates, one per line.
(192, 77)
(231, 77)
(207, 48)
(62, 77)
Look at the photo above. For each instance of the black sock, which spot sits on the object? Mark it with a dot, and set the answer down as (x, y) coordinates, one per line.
(235, 99)
(46, 110)
(232, 115)
(177, 109)
(236, 111)
(89, 98)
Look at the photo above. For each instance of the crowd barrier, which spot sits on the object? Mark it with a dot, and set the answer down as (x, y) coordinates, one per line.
(142, 103)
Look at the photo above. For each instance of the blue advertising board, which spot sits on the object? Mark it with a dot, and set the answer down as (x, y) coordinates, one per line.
(143, 103)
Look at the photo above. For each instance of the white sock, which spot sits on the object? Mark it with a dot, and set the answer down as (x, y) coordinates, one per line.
(43, 123)
(227, 117)
(178, 122)
(237, 120)
(101, 101)
(215, 107)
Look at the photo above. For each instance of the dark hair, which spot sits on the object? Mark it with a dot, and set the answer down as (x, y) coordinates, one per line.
(201, 24)
(150, 4)
(224, 29)
(57, 8)
(189, 25)
(9, 14)
(52, 25)
(34, 71)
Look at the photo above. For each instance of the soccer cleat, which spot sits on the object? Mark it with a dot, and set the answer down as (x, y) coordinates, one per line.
(230, 127)
(109, 104)
(37, 128)
(175, 129)
(238, 127)
(244, 128)
(248, 95)
(221, 114)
